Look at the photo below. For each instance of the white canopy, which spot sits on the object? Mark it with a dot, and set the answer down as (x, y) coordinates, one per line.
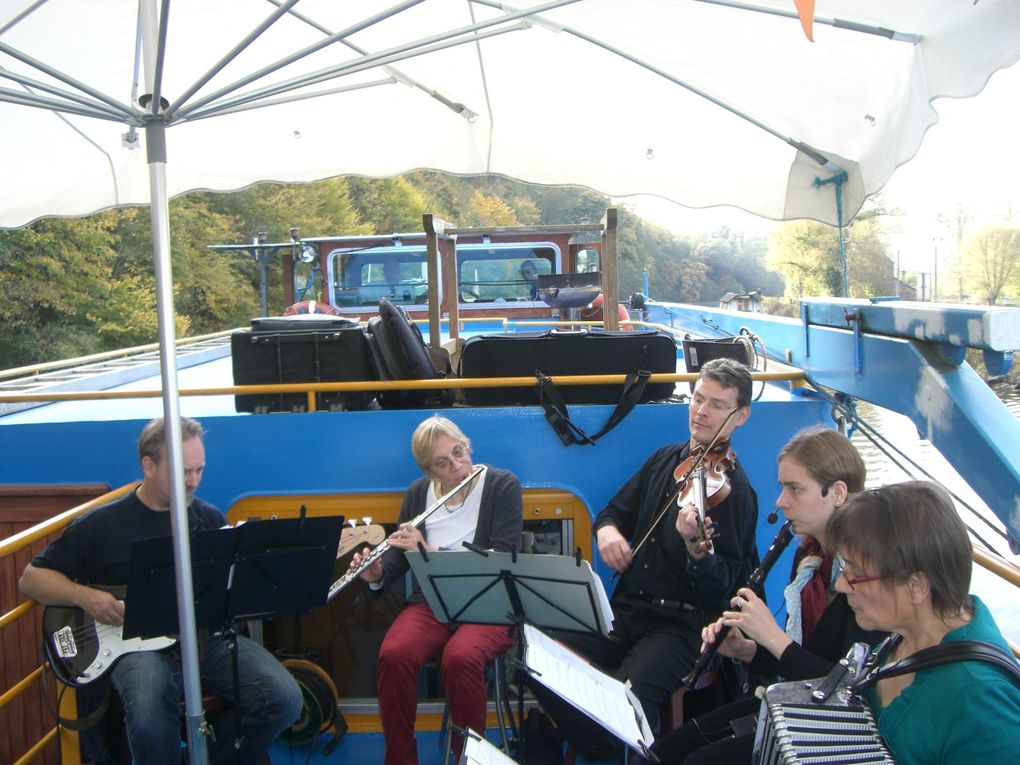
(704, 103)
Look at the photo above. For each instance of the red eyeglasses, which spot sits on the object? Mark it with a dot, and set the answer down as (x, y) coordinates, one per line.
(841, 565)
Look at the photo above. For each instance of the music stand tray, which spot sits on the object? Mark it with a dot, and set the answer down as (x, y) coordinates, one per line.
(256, 570)
(487, 587)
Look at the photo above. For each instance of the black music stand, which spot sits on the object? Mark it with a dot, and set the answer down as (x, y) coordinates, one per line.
(548, 591)
(256, 570)
(487, 587)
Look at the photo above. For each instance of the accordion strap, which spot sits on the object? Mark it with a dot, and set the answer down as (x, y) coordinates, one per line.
(944, 653)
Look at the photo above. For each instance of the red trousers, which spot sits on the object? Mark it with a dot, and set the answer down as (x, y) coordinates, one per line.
(414, 638)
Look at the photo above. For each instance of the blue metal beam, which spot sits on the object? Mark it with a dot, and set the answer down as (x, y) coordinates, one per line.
(982, 327)
(949, 404)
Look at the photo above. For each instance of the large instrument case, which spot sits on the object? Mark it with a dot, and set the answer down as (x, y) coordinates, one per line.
(567, 352)
(295, 350)
(398, 352)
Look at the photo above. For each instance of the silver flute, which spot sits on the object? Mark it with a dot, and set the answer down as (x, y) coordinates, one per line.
(418, 520)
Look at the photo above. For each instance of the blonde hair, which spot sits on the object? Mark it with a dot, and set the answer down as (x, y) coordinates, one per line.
(425, 435)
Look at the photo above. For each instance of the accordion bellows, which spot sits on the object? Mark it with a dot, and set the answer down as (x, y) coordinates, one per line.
(794, 729)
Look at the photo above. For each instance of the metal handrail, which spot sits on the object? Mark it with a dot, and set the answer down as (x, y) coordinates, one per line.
(49, 366)
(11, 545)
(378, 385)
(22, 539)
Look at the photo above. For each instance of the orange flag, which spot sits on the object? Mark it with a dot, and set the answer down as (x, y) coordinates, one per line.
(806, 11)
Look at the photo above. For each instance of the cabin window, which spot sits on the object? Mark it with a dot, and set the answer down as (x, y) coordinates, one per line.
(396, 273)
(306, 281)
(587, 261)
(488, 273)
(503, 274)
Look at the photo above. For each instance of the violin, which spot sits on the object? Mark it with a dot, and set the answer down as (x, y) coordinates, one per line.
(703, 474)
(703, 482)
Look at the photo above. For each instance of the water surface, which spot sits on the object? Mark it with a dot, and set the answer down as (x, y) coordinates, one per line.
(1001, 597)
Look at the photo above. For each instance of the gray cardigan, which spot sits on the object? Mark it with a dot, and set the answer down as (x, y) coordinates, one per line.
(500, 519)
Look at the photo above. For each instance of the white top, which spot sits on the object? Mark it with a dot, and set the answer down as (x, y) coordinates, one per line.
(452, 525)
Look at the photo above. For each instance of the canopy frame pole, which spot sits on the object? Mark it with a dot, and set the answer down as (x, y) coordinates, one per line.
(459, 36)
(838, 180)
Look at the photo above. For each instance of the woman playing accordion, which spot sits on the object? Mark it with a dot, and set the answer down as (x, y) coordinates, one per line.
(905, 564)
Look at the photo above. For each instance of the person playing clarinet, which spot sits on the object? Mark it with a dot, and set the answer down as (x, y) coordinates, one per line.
(819, 469)
(486, 512)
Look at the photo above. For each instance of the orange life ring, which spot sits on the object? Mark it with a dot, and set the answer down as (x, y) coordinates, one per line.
(310, 306)
(593, 312)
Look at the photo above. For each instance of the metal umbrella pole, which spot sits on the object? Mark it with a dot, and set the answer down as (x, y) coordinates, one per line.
(152, 36)
(155, 135)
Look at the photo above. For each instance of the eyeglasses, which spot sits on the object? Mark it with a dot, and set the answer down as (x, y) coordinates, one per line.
(445, 463)
(715, 404)
(841, 565)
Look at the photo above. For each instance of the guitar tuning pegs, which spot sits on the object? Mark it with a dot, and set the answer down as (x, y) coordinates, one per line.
(353, 522)
(368, 520)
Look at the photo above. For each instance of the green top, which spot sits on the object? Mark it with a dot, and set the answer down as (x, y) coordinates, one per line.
(965, 713)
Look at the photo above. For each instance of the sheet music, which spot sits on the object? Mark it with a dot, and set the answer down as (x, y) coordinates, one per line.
(478, 751)
(603, 698)
(600, 590)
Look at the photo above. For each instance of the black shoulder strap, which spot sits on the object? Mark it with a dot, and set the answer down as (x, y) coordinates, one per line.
(102, 694)
(946, 653)
(571, 433)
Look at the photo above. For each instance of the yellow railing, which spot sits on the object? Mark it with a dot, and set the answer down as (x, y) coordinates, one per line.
(9, 546)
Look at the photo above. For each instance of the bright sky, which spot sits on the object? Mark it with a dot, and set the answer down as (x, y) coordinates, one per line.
(971, 156)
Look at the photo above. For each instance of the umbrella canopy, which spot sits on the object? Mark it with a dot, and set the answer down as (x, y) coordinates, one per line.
(703, 103)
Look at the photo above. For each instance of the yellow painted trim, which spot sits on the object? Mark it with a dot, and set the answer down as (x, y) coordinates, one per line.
(384, 507)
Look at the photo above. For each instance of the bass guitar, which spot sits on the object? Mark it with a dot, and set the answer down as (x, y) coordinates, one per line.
(81, 650)
(355, 536)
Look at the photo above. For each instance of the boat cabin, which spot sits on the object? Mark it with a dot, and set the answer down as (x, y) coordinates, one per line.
(496, 270)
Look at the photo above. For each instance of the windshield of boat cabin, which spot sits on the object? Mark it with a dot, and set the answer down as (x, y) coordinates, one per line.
(486, 274)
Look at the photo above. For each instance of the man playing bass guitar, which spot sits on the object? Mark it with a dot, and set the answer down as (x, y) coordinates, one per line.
(95, 550)
(674, 578)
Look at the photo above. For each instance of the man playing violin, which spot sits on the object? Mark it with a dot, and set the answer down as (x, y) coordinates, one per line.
(676, 572)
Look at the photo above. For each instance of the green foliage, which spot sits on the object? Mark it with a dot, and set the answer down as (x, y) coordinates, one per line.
(993, 259)
(806, 253)
(488, 210)
(391, 205)
(58, 296)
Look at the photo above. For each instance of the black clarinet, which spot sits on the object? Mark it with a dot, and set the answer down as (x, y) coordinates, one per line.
(754, 583)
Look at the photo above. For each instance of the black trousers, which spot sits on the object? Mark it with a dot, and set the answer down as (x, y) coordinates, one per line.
(709, 739)
(652, 647)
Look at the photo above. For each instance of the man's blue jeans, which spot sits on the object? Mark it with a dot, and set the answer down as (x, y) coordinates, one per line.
(151, 686)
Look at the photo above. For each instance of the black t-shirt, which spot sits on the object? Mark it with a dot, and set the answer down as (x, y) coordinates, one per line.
(96, 548)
